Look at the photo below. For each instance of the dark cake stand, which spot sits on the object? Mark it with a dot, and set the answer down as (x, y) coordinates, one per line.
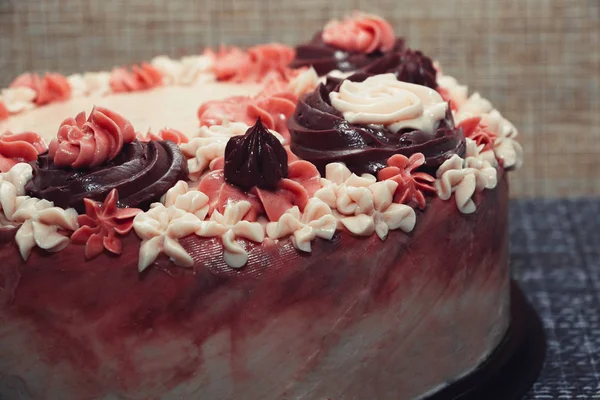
(510, 371)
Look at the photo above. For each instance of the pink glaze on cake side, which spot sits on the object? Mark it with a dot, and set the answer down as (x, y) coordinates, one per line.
(356, 319)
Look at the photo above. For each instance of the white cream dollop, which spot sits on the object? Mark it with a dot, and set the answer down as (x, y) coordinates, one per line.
(384, 100)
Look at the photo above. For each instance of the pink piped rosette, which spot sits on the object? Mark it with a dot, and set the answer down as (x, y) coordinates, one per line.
(20, 147)
(139, 77)
(274, 105)
(49, 88)
(360, 32)
(170, 134)
(89, 143)
(257, 64)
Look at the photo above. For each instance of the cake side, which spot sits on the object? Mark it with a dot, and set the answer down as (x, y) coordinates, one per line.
(428, 308)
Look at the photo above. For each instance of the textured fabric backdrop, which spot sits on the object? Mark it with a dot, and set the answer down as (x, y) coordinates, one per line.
(537, 60)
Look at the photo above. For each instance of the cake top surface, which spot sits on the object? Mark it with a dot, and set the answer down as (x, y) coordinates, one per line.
(352, 132)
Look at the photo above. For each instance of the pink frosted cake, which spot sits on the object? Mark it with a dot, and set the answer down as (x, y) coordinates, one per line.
(325, 222)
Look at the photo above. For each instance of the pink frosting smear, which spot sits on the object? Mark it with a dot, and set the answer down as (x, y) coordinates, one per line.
(361, 33)
(102, 224)
(272, 108)
(302, 182)
(142, 77)
(412, 186)
(173, 135)
(257, 64)
(20, 147)
(474, 129)
(88, 144)
(50, 88)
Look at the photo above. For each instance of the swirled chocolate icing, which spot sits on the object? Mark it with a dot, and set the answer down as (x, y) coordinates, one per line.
(325, 58)
(408, 65)
(321, 135)
(255, 159)
(141, 172)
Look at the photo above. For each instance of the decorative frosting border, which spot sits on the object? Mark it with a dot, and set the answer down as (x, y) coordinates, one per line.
(320, 206)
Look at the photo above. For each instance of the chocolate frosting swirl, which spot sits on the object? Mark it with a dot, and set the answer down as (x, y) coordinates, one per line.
(408, 65)
(321, 135)
(325, 58)
(141, 172)
(255, 159)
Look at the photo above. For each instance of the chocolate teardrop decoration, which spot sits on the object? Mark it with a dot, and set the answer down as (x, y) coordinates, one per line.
(255, 159)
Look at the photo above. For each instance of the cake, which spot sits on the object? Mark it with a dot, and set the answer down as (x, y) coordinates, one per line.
(324, 222)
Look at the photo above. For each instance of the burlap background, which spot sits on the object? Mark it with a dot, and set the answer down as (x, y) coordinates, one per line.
(538, 61)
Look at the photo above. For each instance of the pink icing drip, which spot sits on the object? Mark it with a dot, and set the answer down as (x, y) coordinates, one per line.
(102, 224)
(360, 33)
(88, 144)
(302, 182)
(173, 135)
(257, 64)
(4, 114)
(412, 186)
(49, 89)
(474, 129)
(142, 77)
(20, 147)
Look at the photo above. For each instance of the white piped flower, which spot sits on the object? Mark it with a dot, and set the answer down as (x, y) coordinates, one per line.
(316, 221)
(209, 145)
(465, 177)
(160, 229)
(18, 99)
(97, 83)
(78, 85)
(18, 176)
(185, 72)
(192, 201)
(201, 151)
(458, 93)
(41, 224)
(230, 226)
(505, 149)
(337, 179)
(378, 213)
(509, 152)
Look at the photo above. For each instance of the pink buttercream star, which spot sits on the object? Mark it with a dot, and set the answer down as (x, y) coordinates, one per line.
(102, 224)
(474, 129)
(412, 186)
